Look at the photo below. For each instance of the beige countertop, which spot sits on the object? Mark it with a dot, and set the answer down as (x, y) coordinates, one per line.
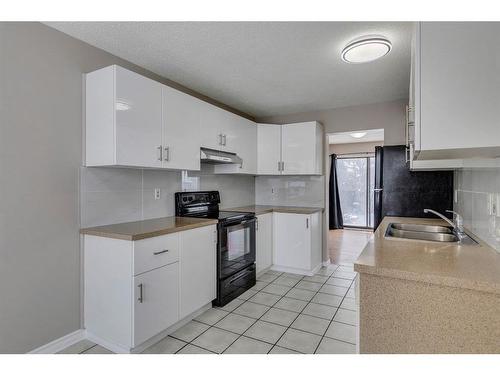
(263, 209)
(448, 264)
(138, 230)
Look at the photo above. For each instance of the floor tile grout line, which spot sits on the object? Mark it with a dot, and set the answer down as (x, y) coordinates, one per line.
(281, 297)
(93, 346)
(299, 314)
(334, 315)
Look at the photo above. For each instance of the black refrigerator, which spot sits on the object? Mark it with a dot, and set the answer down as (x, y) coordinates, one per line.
(401, 192)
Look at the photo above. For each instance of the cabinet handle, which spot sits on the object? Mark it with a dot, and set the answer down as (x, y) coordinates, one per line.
(220, 139)
(225, 140)
(167, 153)
(282, 166)
(307, 223)
(256, 224)
(279, 166)
(141, 291)
(159, 148)
(160, 252)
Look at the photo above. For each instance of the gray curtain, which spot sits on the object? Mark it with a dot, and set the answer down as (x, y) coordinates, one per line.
(335, 211)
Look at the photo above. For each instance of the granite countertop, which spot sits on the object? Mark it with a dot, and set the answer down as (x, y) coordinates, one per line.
(138, 230)
(263, 209)
(449, 264)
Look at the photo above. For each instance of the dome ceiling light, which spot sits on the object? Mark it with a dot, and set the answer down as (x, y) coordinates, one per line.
(365, 49)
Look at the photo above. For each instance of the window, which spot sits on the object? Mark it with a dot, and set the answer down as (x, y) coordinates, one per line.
(356, 180)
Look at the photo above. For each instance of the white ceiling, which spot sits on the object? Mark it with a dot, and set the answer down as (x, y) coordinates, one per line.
(261, 68)
(374, 135)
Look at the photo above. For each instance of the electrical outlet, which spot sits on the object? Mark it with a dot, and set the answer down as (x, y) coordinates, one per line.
(157, 194)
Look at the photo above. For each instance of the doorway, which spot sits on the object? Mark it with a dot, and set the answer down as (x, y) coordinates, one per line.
(353, 158)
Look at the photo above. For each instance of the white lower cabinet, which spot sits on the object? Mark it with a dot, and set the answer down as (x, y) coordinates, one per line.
(264, 242)
(136, 290)
(297, 242)
(198, 279)
(156, 301)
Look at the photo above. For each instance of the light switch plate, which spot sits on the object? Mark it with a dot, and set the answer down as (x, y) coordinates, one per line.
(157, 194)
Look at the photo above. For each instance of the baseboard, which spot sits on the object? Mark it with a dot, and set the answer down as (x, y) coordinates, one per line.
(297, 271)
(326, 263)
(61, 343)
(153, 340)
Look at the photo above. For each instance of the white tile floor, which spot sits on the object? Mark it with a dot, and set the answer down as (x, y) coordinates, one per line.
(282, 314)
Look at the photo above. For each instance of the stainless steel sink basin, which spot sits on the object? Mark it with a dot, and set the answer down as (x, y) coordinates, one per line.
(422, 228)
(435, 233)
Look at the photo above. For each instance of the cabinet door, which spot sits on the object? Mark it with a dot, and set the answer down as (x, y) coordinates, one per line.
(268, 149)
(210, 126)
(138, 120)
(298, 148)
(181, 130)
(460, 89)
(292, 240)
(156, 305)
(197, 268)
(264, 243)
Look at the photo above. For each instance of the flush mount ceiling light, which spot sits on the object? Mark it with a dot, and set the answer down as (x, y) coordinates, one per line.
(358, 135)
(366, 49)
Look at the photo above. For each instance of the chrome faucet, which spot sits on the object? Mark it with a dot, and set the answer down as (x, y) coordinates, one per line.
(456, 223)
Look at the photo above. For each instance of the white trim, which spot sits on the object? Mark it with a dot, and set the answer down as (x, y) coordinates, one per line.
(153, 340)
(326, 263)
(296, 270)
(61, 343)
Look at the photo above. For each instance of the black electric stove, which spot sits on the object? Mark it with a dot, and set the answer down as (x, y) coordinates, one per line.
(235, 244)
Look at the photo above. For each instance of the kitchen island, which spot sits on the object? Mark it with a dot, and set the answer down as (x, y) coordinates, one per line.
(427, 297)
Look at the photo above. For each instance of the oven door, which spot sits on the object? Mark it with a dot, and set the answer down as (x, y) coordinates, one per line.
(236, 249)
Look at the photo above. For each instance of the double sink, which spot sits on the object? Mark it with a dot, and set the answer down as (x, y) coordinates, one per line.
(436, 233)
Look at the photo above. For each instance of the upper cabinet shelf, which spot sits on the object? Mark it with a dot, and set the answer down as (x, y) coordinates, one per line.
(133, 121)
(454, 91)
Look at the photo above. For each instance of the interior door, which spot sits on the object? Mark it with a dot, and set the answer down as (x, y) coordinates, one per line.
(138, 120)
(181, 130)
(156, 306)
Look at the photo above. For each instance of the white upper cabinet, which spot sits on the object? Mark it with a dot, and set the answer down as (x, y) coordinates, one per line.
(301, 148)
(211, 121)
(294, 149)
(457, 90)
(269, 149)
(123, 119)
(181, 130)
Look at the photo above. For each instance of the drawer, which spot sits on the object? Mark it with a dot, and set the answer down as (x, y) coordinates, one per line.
(155, 252)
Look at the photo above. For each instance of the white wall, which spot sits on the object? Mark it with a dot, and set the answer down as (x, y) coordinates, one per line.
(475, 188)
(389, 116)
(41, 86)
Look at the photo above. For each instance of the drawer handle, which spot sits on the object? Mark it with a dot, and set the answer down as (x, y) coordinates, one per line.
(160, 252)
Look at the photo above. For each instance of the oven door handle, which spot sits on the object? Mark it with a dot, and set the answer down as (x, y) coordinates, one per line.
(239, 277)
(235, 223)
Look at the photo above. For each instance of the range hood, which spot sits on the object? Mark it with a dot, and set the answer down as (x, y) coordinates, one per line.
(210, 156)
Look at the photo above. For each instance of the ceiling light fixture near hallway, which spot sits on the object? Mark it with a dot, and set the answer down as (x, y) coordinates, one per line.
(365, 49)
(358, 135)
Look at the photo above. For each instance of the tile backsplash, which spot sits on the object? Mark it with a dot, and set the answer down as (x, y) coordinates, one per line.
(290, 190)
(114, 195)
(476, 192)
